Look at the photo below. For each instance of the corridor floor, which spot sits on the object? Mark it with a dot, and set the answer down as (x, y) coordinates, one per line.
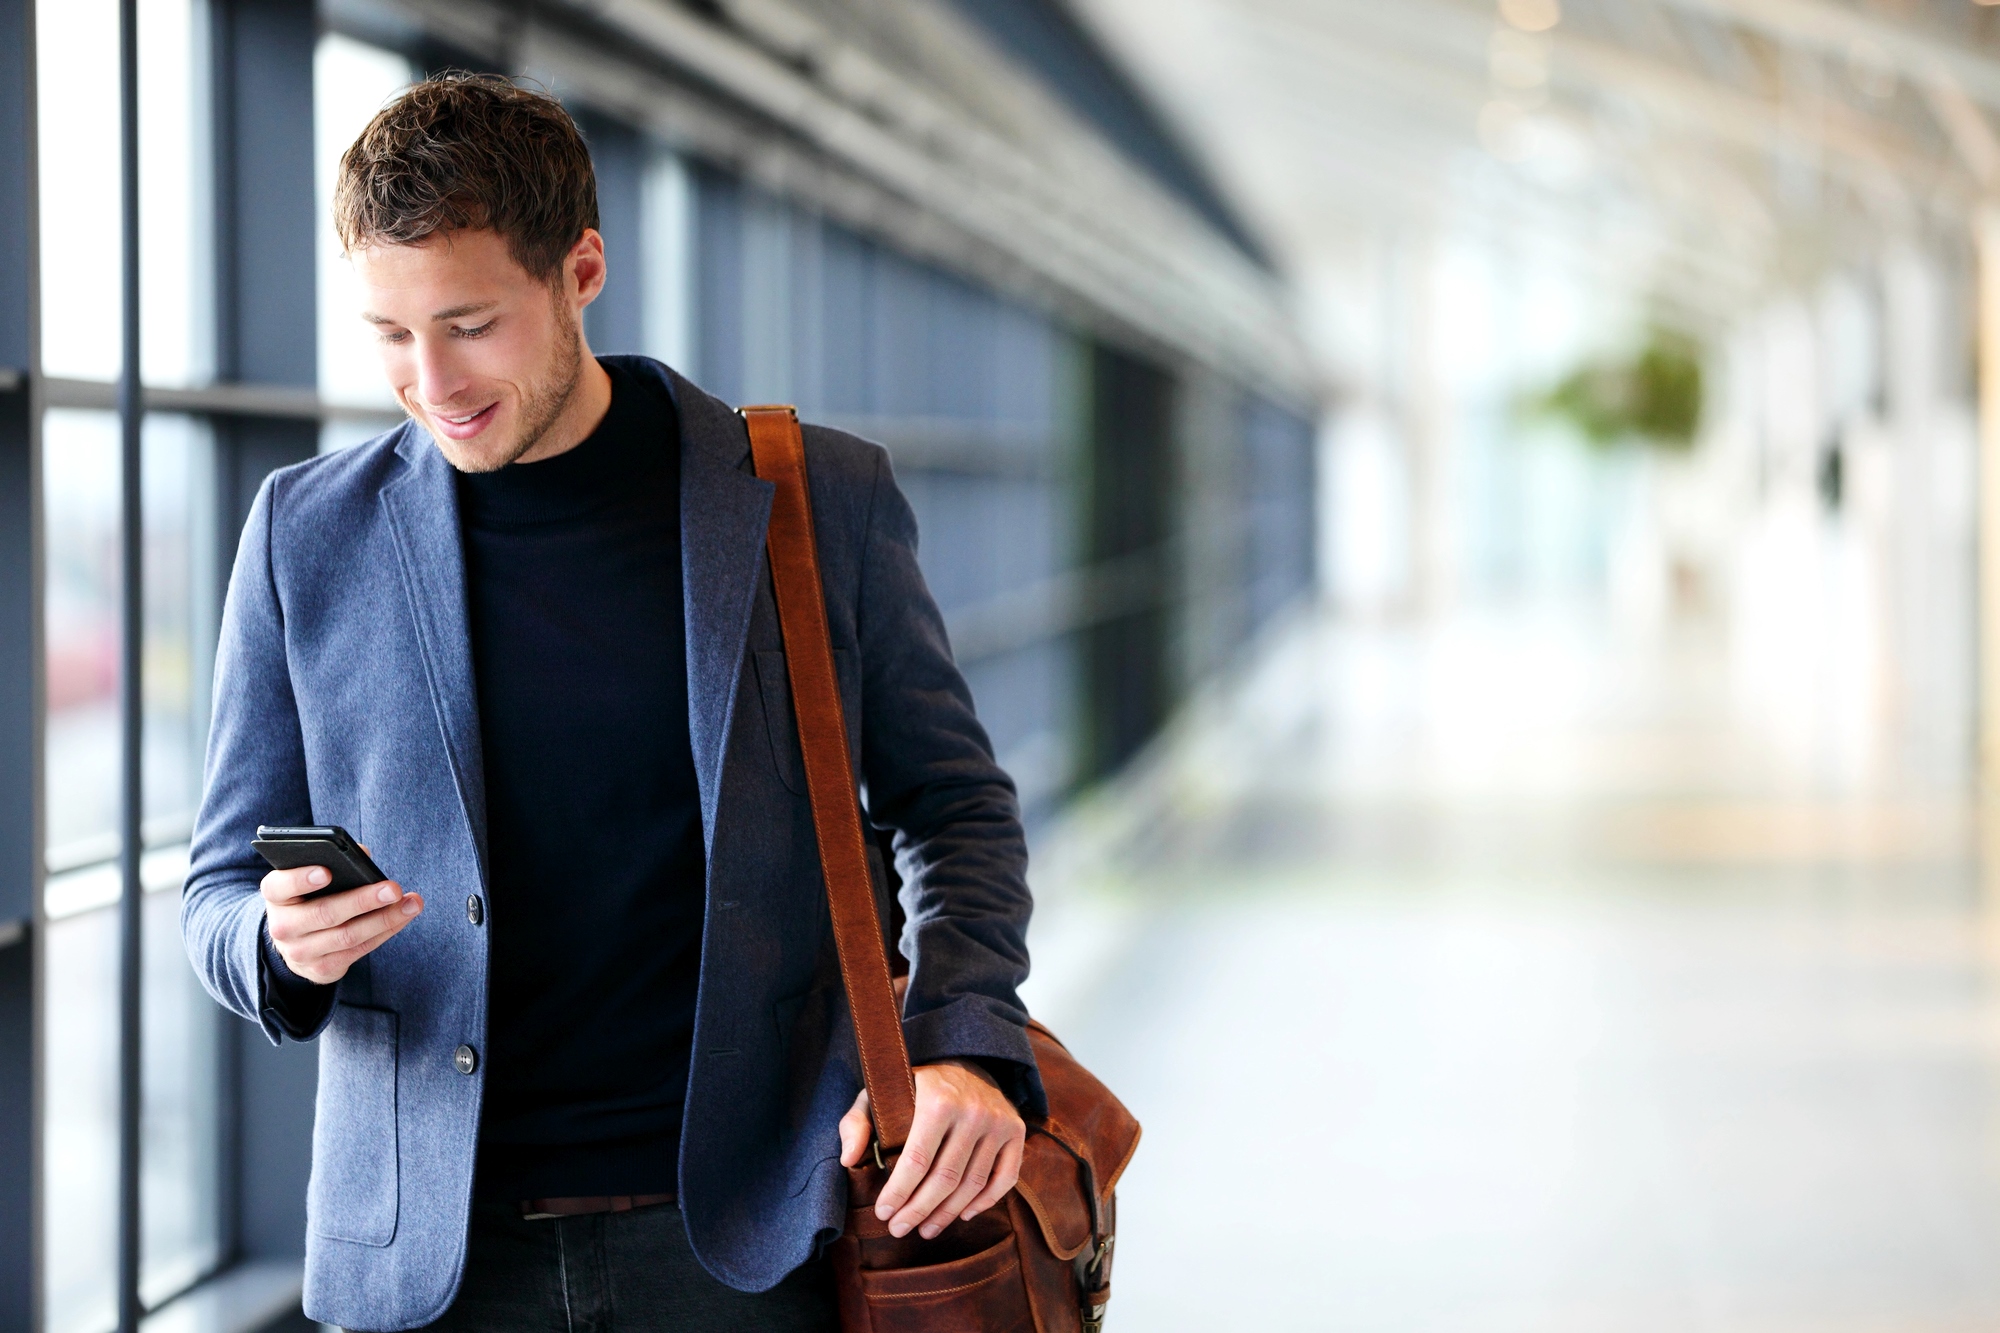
(1501, 977)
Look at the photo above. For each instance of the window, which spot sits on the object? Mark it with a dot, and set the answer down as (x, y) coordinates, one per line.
(182, 1224)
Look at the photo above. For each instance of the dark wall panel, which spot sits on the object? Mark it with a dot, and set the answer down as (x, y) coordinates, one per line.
(615, 321)
(17, 680)
(1127, 682)
(1279, 445)
(264, 181)
(17, 1083)
(17, 663)
(718, 268)
(15, 278)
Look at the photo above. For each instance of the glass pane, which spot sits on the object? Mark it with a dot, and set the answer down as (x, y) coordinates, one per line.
(80, 492)
(80, 499)
(181, 1139)
(77, 65)
(176, 251)
(80, 1138)
(181, 1184)
(181, 610)
(351, 81)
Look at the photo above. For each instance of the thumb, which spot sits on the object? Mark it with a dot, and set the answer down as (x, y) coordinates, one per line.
(854, 1131)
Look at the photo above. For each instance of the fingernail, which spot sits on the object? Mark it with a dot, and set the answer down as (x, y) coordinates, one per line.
(410, 906)
(387, 893)
(318, 877)
(899, 1229)
(930, 1233)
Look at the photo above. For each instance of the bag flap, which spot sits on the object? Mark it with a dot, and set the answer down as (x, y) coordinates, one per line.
(1052, 1184)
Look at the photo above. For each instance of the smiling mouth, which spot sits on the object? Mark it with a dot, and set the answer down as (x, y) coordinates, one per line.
(463, 426)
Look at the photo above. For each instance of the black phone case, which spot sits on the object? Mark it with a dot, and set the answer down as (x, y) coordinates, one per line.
(291, 848)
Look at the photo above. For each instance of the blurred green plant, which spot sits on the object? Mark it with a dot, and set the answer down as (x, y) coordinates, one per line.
(1654, 398)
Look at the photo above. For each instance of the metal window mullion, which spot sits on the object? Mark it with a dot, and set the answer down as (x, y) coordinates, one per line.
(131, 590)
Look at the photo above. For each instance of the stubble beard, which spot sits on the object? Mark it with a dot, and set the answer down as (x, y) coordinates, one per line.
(547, 399)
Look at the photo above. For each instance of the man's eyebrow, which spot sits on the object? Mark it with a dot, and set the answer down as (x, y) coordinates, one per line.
(456, 312)
(461, 311)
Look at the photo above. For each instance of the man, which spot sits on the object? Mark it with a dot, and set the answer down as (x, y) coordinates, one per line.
(585, 1060)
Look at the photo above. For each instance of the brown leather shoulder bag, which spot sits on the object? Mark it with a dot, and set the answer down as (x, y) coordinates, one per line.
(1041, 1261)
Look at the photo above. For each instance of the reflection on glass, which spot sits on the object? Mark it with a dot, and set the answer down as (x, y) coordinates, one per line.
(351, 81)
(80, 618)
(180, 1133)
(180, 1188)
(181, 607)
(80, 494)
(77, 69)
(80, 1119)
(181, 1179)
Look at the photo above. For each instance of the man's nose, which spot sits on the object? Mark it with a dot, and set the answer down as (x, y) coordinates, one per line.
(439, 378)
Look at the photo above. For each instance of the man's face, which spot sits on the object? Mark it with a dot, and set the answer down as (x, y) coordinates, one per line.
(483, 354)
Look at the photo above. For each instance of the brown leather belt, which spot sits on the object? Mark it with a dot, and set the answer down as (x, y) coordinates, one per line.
(537, 1210)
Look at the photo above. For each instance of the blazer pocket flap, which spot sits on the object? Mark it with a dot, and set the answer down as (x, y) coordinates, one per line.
(351, 1195)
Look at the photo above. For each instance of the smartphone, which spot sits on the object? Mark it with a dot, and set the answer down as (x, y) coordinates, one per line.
(318, 845)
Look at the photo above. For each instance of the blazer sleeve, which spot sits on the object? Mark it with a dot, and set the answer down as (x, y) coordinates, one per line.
(931, 778)
(255, 773)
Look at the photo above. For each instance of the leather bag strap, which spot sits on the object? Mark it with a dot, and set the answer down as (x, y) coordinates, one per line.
(777, 449)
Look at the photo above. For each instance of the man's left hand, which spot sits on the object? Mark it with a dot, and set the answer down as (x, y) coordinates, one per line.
(964, 1152)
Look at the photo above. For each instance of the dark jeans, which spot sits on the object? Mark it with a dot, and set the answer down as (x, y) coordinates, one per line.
(616, 1273)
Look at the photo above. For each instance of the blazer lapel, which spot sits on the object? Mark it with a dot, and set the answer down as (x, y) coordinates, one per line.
(724, 511)
(422, 507)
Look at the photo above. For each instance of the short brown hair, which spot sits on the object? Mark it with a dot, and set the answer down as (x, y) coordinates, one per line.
(461, 151)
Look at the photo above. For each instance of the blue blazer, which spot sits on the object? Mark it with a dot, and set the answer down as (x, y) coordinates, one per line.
(344, 695)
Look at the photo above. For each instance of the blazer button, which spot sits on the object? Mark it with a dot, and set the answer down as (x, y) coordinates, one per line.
(475, 911)
(465, 1059)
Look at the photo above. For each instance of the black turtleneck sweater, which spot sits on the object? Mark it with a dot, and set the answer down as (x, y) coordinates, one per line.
(594, 851)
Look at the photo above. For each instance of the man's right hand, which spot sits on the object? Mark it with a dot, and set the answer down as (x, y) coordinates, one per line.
(319, 940)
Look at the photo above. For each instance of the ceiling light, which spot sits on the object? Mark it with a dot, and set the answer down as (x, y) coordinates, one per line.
(1538, 15)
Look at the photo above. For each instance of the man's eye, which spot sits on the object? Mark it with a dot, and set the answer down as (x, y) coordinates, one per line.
(479, 332)
(397, 336)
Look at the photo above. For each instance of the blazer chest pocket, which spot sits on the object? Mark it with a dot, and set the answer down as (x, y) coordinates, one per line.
(352, 1193)
(774, 684)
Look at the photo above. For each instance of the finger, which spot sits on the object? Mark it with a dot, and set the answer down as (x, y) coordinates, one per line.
(329, 964)
(291, 921)
(363, 932)
(854, 1131)
(939, 1183)
(1006, 1174)
(288, 886)
(911, 1167)
(978, 1170)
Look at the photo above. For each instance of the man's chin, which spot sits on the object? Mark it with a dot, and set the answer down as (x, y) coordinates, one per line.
(484, 452)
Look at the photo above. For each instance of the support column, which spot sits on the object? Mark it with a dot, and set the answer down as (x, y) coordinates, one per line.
(267, 333)
(20, 681)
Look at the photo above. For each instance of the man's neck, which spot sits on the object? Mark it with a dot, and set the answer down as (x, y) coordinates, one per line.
(588, 403)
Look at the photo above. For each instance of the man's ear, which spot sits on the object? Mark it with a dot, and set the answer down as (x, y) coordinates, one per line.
(583, 268)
